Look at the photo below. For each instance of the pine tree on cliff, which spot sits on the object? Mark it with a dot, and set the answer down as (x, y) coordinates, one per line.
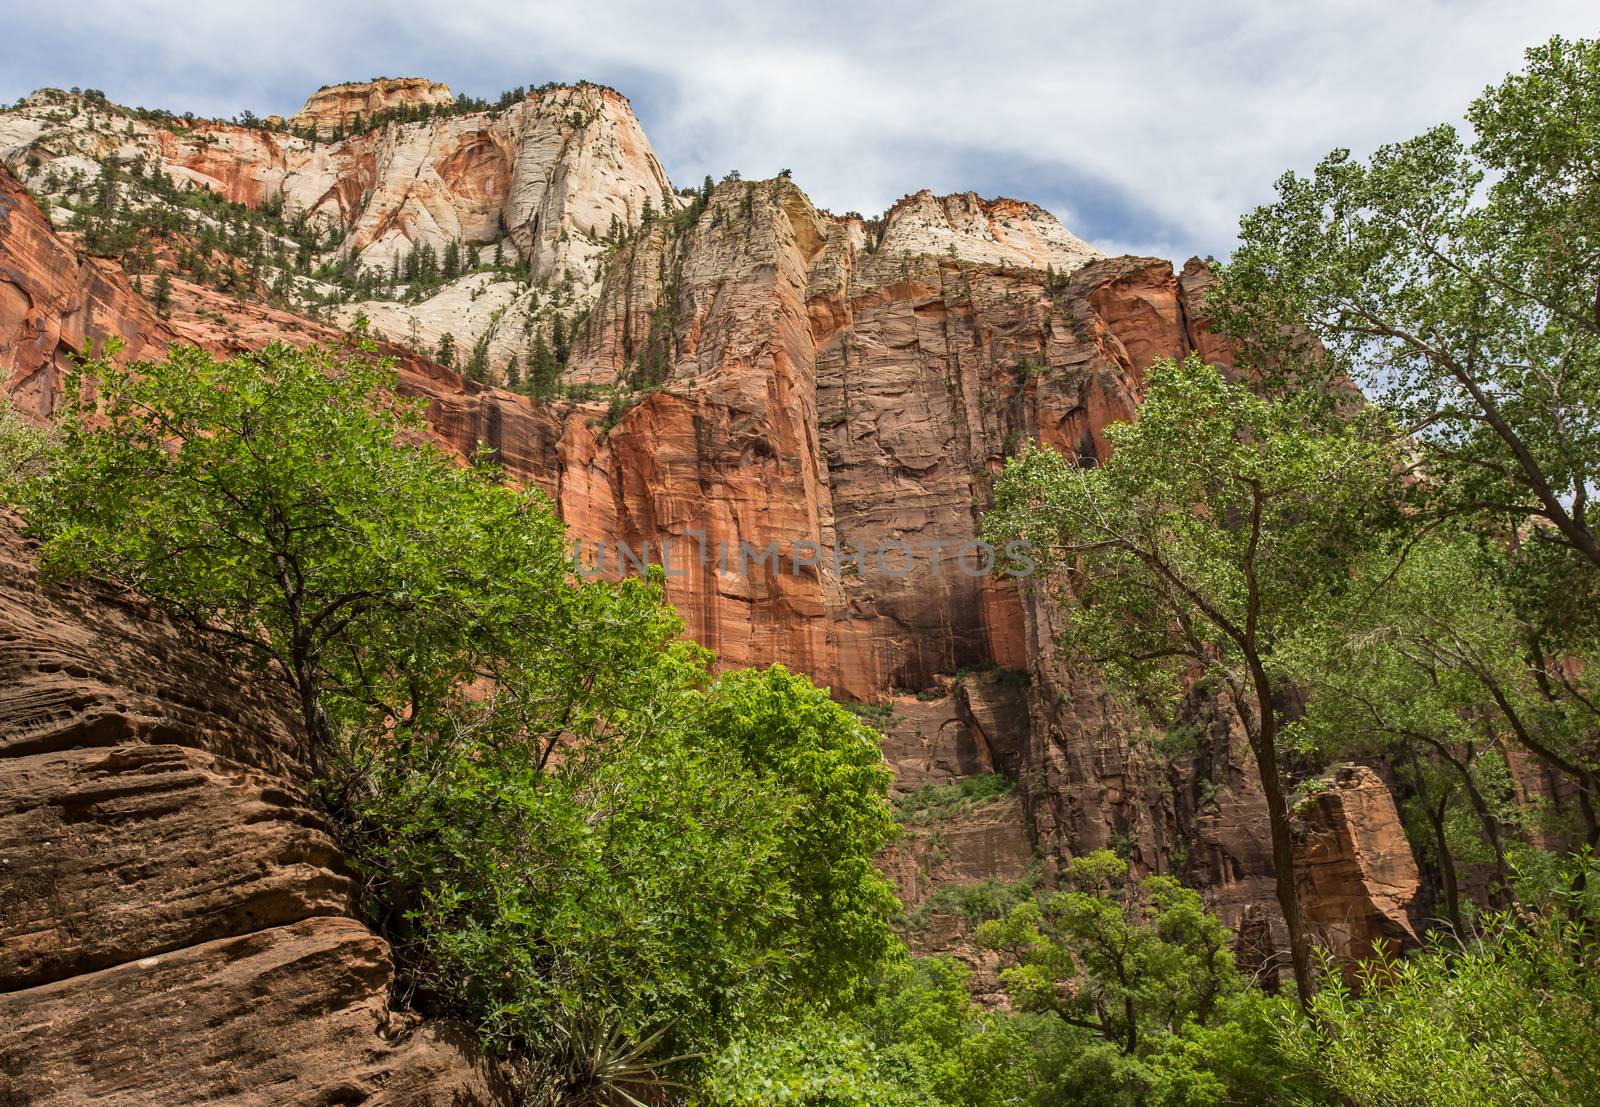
(478, 363)
(513, 374)
(162, 296)
(543, 372)
(558, 340)
(446, 353)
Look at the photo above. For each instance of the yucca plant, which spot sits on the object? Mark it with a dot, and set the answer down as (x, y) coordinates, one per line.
(593, 1061)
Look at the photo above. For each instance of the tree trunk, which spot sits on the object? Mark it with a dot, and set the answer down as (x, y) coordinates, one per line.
(318, 736)
(1265, 744)
(1491, 830)
(1447, 868)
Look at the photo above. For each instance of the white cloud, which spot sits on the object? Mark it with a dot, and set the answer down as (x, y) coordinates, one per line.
(1148, 128)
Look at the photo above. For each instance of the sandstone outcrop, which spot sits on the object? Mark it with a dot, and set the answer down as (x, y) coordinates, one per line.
(178, 926)
(340, 107)
(1356, 870)
(988, 232)
(53, 299)
(803, 407)
(545, 177)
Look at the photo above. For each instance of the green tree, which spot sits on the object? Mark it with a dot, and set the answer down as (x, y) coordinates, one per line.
(1460, 285)
(799, 742)
(1201, 544)
(1114, 956)
(478, 364)
(692, 866)
(1422, 658)
(446, 353)
(1138, 995)
(543, 370)
(558, 340)
(162, 296)
(269, 498)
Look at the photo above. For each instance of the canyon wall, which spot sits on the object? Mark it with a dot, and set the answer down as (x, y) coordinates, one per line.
(785, 395)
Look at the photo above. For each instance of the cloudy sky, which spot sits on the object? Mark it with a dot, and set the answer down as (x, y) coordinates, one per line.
(1146, 127)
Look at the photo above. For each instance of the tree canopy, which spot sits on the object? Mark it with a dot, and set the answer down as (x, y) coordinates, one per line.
(1202, 543)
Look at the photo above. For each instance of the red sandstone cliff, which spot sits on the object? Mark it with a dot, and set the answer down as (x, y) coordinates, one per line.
(816, 389)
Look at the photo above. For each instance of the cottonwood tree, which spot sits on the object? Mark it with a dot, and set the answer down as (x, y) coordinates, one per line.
(1201, 544)
(1115, 956)
(1460, 286)
(1421, 659)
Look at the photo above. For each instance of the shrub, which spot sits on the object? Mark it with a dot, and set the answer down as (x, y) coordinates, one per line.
(934, 803)
(1503, 1019)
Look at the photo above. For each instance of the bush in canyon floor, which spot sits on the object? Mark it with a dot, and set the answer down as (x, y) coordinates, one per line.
(690, 878)
(1505, 1017)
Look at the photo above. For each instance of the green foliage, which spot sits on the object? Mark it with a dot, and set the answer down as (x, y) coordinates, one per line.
(919, 1041)
(1139, 978)
(24, 451)
(991, 898)
(578, 843)
(1202, 543)
(1425, 657)
(933, 803)
(1217, 508)
(1115, 956)
(701, 863)
(800, 742)
(689, 869)
(1503, 1019)
(269, 497)
(1458, 285)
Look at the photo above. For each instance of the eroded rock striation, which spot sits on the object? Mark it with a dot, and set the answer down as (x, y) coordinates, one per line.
(342, 107)
(178, 926)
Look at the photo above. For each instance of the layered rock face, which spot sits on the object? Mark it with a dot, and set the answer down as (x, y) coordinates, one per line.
(178, 925)
(53, 299)
(543, 177)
